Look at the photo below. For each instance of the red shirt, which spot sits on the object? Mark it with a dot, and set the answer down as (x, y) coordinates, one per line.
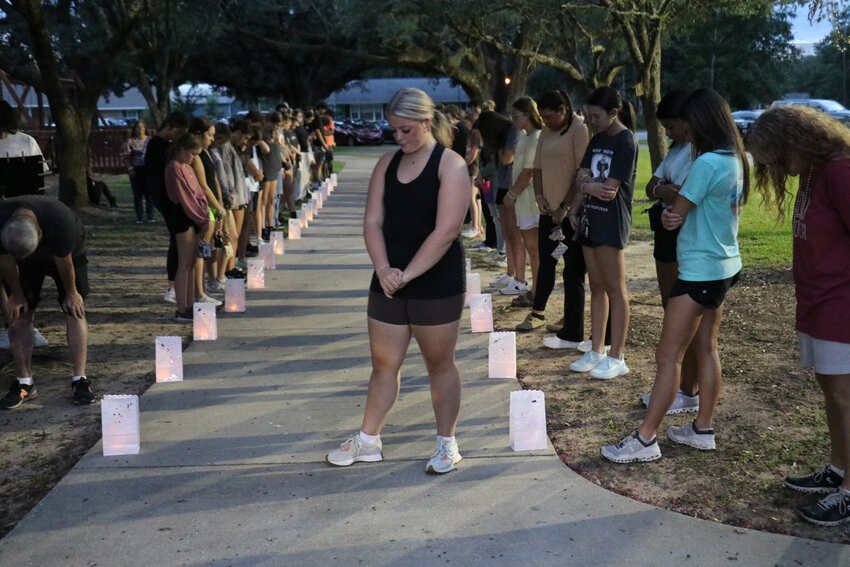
(183, 188)
(822, 255)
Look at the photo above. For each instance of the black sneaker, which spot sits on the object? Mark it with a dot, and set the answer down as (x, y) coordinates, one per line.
(833, 510)
(184, 317)
(235, 274)
(823, 481)
(81, 391)
(18, 394)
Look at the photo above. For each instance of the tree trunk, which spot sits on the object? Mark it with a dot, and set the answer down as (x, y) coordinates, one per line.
(650, 97)
(73, 128)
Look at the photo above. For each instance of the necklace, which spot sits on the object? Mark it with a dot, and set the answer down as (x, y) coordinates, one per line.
(412, 157)
(801, 206)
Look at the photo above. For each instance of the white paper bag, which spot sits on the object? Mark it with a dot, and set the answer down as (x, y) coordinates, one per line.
(119, 419)
(527, 430)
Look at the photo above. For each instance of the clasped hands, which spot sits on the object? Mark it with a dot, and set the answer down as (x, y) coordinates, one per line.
(391, 280)
(671, 220)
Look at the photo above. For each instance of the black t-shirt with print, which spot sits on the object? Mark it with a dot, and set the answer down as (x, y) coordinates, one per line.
(610, 222)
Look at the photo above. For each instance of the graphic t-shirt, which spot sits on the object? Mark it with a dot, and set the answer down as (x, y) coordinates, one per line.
(707, 248)
(615, 157)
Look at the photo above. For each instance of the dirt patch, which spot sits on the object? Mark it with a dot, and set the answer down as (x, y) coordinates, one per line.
(44, 438)
(770, 420)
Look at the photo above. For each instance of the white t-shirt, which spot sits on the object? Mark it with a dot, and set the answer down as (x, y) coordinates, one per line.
(676, 164)
(526, 148)
(20, 145)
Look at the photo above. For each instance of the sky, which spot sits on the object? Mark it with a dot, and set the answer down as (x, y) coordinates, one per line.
(806, 33)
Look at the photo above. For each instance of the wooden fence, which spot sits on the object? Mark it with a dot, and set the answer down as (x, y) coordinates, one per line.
(104, 148)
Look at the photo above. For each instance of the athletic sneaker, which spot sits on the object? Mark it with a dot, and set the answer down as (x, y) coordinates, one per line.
(609, 368)
(204, 298)
(38, 339)
(170, 296)
(501, 281)
(184, 317)
(18, 394)
(682, 403)
(444, 458)
(702, 439)
(588, 362)
(557, 326)
(213, 287)
(833, 510)
(515, 288)
(501, 261)
(235, 274)
(823, 481)
(81, 392)
(354, 450)
(556, 343)
(530, 323)
(632, 449)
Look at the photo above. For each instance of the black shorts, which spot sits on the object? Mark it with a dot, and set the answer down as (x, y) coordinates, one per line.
(664, 249)
(426, 312)
(709, 294)
(177, 221)
(500, 195)
(33, 274)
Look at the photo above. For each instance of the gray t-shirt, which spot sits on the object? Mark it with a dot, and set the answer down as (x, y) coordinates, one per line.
(610, 222)
(504, 172)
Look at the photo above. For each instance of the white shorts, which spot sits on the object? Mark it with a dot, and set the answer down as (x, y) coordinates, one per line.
(826, 357)
(527, 222)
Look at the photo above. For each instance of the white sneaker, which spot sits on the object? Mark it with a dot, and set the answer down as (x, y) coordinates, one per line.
(170, 296)
(587, 362)
(444, 458)
(354, 450)
(501, 262)
(213, 287)
(609, 368)
(204, 298)
(556, 343)
(38, 340)
(515, 288)
(501, 281)
(683, 403)
(693, 437)
(632, 449)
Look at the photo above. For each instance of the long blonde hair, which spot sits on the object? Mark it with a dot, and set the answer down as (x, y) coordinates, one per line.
(783, 133)
(414, 104)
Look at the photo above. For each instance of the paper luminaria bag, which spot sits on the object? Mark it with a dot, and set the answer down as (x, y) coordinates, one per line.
(527, 429)
(204, 324)
(481, 312)
(473, 286)
(294, 229)
(119, 419)
(502, 355)
(277, 242)
(169, 359)
(266, 252)
(256, 274)
(234, 295)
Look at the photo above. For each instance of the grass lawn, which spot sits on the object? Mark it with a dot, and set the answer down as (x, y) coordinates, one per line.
(764, 243)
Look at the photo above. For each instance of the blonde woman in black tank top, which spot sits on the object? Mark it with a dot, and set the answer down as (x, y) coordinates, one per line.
(415, 209)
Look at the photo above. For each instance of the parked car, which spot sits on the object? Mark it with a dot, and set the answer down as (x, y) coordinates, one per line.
(744, 118)
(831, 107)
(352, 132)
(386, 130)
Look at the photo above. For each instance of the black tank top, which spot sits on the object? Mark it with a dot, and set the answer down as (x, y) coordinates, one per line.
(410, 215)
(209, 169)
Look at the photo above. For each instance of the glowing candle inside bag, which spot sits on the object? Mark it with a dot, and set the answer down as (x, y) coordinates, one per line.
(481, 312)
(277, 242)
(473, 286)
(204, 325)
(256, 274)
(294, 229)
(267, 254)
(169, 359)
(234, 295)
(502, 355)
(119, 419)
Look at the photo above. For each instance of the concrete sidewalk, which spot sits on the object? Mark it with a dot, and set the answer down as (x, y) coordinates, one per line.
(232, 468)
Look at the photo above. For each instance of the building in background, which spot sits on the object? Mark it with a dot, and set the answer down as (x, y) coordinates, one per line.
(366, 99)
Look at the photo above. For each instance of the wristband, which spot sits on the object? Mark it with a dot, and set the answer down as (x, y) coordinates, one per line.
(512, 195)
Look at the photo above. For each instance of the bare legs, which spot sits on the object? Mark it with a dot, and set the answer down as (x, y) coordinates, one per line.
(389, 345)
(685, 322)
(607, 275)
(514, 248)
(529, 242)
(836, 391)
(667, 273)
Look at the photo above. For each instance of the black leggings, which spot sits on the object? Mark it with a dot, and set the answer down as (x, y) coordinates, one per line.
(171, 260)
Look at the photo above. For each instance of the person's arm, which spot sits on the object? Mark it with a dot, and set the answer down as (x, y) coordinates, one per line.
(452, 204)
(72, 304)
(15, 304)
(373, 223)
(179, 185)
(201, 176)
(522, 182)
(673, 218)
